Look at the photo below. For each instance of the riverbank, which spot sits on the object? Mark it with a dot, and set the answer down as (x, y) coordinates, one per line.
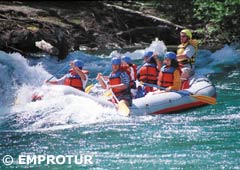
(71, 25)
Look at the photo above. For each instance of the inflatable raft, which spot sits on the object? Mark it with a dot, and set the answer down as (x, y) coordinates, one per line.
(159, 103)
(176, 101)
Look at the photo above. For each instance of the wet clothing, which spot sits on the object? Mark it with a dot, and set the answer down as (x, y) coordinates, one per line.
(118, 78)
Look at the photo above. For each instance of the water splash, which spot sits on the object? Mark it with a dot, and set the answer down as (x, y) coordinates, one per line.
(227, 57)
(23, 76)
(16, 72)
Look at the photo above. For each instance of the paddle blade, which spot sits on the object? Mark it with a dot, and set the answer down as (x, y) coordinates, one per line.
(123, 109)
(108, 93)
(88, 88)
(205, 99)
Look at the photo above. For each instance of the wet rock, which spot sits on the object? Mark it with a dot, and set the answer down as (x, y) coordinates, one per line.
(77, 25)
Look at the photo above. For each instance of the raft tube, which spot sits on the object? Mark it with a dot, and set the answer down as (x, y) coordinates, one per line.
(159, 103)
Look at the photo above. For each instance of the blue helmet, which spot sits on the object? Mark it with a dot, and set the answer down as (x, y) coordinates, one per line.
(171, 55)
(148, 54)
(127, 59)
(116, 60)
(78, 63)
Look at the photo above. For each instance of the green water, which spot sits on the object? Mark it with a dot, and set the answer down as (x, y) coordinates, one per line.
(202, 138)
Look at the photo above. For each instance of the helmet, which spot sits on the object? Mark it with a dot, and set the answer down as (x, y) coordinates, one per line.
(170, 55)
(127, 59)
(78, 63)
(148, 54)
(116, 60)
(187, 32)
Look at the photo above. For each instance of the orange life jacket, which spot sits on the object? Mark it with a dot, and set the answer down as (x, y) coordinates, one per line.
(115, 79)
(148, 73)
(74, 80)
(165, 76)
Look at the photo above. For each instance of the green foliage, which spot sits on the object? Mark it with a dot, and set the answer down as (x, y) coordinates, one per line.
(177, 11)
(220, 18)
(217, 20)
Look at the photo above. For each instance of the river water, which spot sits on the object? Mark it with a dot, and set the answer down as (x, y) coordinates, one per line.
(201, 138)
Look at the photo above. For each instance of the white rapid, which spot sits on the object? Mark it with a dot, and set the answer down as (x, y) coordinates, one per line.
(20, 77)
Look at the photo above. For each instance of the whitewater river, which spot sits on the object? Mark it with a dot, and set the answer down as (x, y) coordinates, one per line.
(68, 126)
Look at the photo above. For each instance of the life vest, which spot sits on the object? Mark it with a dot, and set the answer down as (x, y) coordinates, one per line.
(165, 76)
(115, 79)
(74, 80)
(185, 84)
(181, 49)
(148, 73)
(128, 69)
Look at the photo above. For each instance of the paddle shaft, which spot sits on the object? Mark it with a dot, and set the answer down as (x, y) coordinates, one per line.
(122, 107)
(104, 72)
(60, 70)
(139, 67)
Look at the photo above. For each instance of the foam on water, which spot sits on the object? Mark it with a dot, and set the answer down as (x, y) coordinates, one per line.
(16, 72)
(21, 77)
(61, 111)
(208, 62)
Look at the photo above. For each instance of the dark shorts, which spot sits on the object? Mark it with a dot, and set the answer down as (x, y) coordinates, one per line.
(128, 98)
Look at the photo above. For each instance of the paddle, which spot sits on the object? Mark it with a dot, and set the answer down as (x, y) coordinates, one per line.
(205, 99)
(139, 67)
(122, 107)
(38, 96)
(89, 88)
(60, 70)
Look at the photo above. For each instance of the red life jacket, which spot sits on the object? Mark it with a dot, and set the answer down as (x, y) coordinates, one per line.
(74, 80)
(165, 76)
(185, 84)
(115, 79)
(148, 73)
(128, 71)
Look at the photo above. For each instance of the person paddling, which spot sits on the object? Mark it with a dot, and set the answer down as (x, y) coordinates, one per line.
(149, 71)
(169, 75)
(187, 50)
(77, 77)
(118, 81)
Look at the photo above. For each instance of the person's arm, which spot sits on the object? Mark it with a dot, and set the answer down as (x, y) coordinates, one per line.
(158, 62)
(78, 71)
(85, 82)
(176, 82)
(101, 81)
(188, 53)
(58, 81)
(132, 73)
